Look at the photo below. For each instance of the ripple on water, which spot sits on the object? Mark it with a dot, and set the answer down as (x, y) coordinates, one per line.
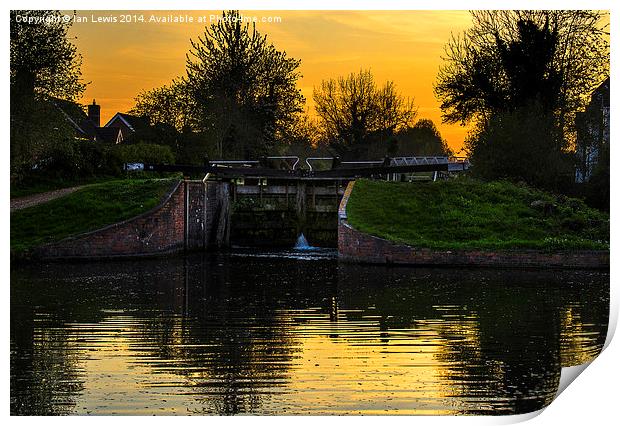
(270, 333)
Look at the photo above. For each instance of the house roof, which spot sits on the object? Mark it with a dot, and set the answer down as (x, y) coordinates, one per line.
(72, 110)
(133, 122)
(73, 113)
(100, 134)
(86, 128)
(109, 134)
(602, 93)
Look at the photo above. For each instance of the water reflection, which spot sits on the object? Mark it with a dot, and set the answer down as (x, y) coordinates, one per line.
(282, 335)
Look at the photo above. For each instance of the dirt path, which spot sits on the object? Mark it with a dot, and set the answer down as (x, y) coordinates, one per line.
(33, 200)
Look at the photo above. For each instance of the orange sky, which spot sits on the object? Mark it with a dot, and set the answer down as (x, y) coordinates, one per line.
(121, 59)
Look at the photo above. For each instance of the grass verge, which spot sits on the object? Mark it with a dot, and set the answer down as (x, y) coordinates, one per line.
(51, 184)
(468, 214)
(38, 185)
(88, 209)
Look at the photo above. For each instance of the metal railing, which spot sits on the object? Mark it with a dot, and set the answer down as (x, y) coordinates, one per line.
(409, 161)
(255, 162)
(454, 163)
(308, 159)
(226, 162)
(393, 166)
(347, 163)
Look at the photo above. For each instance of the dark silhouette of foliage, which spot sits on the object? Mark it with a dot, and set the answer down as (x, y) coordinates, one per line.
(40, 132)
(528, 64)
(508, 58)
(171, 105)
(44, 67)
(43, 60)
(172, 112)
(520, 77)
(520, 145)
(244, 88)
(354, 113)
(423, 139)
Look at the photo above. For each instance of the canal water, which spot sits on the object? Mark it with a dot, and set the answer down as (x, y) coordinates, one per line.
(295, 333)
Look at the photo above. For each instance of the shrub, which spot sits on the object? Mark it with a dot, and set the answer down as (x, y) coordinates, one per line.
(78, 160)
(523, 145)
(144, 153)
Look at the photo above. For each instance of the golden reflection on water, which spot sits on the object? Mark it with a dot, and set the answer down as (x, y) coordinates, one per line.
(372, 371)
(576, 338)
(339, 367)
(171, 347)
(354, 368)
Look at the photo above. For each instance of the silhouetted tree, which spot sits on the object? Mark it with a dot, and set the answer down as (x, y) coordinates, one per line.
(243, 87)
(44, 67)
(43, 60)
(171, 104)
(534, 67)
(528, 65)
(423, 139)
(509, 58)
(171, 113)
(521, 145)
(354, 113)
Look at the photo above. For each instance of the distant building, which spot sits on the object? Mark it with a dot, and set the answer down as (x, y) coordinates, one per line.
(88, 126)
(592, 133)
(126, 124)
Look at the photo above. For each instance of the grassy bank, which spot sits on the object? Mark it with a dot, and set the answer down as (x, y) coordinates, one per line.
(50, 184)
(85, 210)
(41, 184)
(469, 214)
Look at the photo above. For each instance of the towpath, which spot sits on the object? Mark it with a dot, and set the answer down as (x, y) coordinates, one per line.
(44, 197)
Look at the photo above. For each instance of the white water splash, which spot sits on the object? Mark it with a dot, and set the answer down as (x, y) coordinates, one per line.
(302, 243)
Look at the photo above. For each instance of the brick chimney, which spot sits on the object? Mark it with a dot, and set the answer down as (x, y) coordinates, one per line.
(94, 113)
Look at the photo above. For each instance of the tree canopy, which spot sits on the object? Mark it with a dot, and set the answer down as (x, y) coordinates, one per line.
(243, 87)
(353, 111)
(520, 77)
(44, 69)
(422, 139)
(43, 59)
(508, 58)
(171, 105)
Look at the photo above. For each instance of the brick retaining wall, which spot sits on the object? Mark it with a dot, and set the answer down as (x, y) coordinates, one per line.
(167, 228)
(355, 246)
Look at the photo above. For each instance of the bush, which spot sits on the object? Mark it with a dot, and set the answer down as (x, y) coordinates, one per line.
(523, 145)
(143, 153)
(78, 160)
(39, 132)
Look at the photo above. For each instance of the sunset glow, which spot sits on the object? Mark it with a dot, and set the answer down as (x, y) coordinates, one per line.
(120, 59)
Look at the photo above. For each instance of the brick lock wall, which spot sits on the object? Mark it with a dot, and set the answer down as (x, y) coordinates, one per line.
(355, 246)
(158, 231)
